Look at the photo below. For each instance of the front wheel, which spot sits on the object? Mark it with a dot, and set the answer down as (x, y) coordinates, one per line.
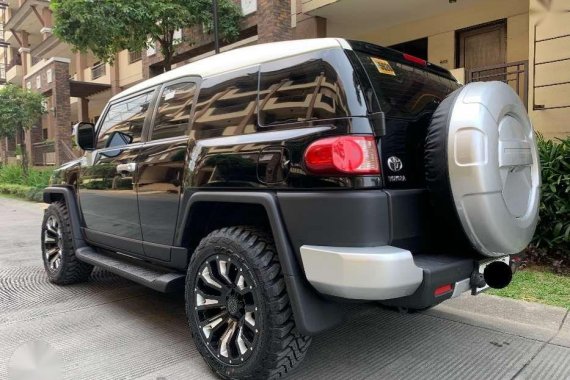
(58, 253)
(238, 309)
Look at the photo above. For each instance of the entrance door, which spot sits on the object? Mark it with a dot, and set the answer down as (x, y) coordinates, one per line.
(109, 175)
(482, 46)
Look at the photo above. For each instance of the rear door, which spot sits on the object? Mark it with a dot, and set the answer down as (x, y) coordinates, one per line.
(109, 175)
(408, 90)
(161, 166)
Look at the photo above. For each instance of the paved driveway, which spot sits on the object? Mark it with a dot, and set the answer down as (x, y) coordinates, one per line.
(110, 328)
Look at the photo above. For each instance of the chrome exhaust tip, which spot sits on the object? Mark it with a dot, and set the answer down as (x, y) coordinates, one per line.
(498, 274)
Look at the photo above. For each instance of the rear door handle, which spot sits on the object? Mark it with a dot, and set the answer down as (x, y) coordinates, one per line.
(126, 168)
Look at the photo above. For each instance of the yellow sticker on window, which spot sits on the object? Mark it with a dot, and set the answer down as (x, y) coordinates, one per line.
(383, 66)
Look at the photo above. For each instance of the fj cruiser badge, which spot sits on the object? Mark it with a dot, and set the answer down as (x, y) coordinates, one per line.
(395, 164)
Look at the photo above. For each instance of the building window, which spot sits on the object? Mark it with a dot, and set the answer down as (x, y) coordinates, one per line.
(174, 107)
(98, 70)
(135, 56)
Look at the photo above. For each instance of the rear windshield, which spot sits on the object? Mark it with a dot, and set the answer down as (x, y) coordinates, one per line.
(405, 91)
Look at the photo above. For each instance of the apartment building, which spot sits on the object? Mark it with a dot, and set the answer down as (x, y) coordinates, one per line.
(76, 86)
(525, 43)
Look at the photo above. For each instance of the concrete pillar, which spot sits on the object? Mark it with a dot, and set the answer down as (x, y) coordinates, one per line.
(83, 109)
(310, 27)
(47, 23)
(274, 20)
(24, 51)
(33, 136)
(46, 16)
(115, 87)
(80, 65)
(62, 109)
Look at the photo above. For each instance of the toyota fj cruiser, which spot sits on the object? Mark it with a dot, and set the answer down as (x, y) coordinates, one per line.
(276, 182)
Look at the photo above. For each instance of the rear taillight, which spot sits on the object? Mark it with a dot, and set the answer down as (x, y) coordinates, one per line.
(413, 59)
(343, 155)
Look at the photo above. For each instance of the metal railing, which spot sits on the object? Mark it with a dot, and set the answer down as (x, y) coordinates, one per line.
(15, 61)
(98, 70)
(43, 153)
(540, 107)
(515, 74)
(135, 56)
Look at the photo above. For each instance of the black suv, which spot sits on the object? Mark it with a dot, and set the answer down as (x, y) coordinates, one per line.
(276, 182)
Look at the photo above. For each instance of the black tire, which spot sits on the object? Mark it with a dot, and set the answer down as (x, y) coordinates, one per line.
(277, 347)
(68, 269)
(449, 233)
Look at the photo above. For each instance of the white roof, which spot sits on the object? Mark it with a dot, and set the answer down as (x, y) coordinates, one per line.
(240, 58)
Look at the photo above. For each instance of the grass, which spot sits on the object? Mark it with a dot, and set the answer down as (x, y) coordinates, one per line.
(538, 284)
(13, 183)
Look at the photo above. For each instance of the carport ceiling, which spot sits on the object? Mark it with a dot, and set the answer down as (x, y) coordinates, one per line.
(362, 15)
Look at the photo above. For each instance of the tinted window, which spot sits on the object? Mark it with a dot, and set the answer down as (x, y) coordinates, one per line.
(295, 92)
(124, 121)
(174, 107)
(226, 105)
(405, 90)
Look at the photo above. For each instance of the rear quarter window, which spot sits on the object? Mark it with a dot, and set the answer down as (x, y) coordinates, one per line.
(300, 89)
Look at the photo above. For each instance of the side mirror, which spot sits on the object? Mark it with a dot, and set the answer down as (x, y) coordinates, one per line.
(85, 135)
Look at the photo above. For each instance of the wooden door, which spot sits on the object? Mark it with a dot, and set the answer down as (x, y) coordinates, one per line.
(482, 46)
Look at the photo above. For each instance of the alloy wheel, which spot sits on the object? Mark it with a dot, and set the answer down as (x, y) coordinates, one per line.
(52, 243)
(225, 308)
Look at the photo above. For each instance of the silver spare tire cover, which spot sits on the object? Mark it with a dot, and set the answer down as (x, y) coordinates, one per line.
(492, 167)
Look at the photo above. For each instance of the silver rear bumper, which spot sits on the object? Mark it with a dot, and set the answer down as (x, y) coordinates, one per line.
(365, 273)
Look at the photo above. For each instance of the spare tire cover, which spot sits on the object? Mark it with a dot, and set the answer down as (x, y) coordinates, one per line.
(482, 167)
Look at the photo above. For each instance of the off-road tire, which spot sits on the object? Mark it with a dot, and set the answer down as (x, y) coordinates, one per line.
(280, 347)
(70, 270)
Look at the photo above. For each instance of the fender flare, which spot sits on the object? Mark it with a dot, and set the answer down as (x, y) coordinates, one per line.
(312, 313)
(67, 193)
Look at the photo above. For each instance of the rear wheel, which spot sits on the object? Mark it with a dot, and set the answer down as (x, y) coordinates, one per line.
(58, 253)
(238, 308)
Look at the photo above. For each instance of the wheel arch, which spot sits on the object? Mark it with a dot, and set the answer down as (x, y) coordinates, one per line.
(66, 193)
(311, 311)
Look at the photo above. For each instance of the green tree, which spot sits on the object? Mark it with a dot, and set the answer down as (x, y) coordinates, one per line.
(105, 27)
(20, 109)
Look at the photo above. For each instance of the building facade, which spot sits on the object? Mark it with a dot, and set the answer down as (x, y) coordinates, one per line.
(525, 43)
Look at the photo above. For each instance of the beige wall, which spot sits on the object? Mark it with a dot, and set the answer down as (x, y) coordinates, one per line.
(440, 30)
(553, 23)
(129, 73)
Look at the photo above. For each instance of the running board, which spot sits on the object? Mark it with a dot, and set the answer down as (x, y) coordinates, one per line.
(162, 281)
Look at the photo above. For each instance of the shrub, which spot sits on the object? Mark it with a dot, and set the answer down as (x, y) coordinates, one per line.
(13, 174)
(553, 231)
(21, 191)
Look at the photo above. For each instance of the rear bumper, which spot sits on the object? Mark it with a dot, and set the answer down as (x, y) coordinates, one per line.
(385, 273)
(367, 273)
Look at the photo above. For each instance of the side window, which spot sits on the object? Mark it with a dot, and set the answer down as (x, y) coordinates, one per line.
(226, 105)
(300, 89)
(124, 121)
(173, 114)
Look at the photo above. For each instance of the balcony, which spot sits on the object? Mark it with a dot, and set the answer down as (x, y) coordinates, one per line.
(98, 70)
(23, 18)
(14, 72)
(135, 56)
